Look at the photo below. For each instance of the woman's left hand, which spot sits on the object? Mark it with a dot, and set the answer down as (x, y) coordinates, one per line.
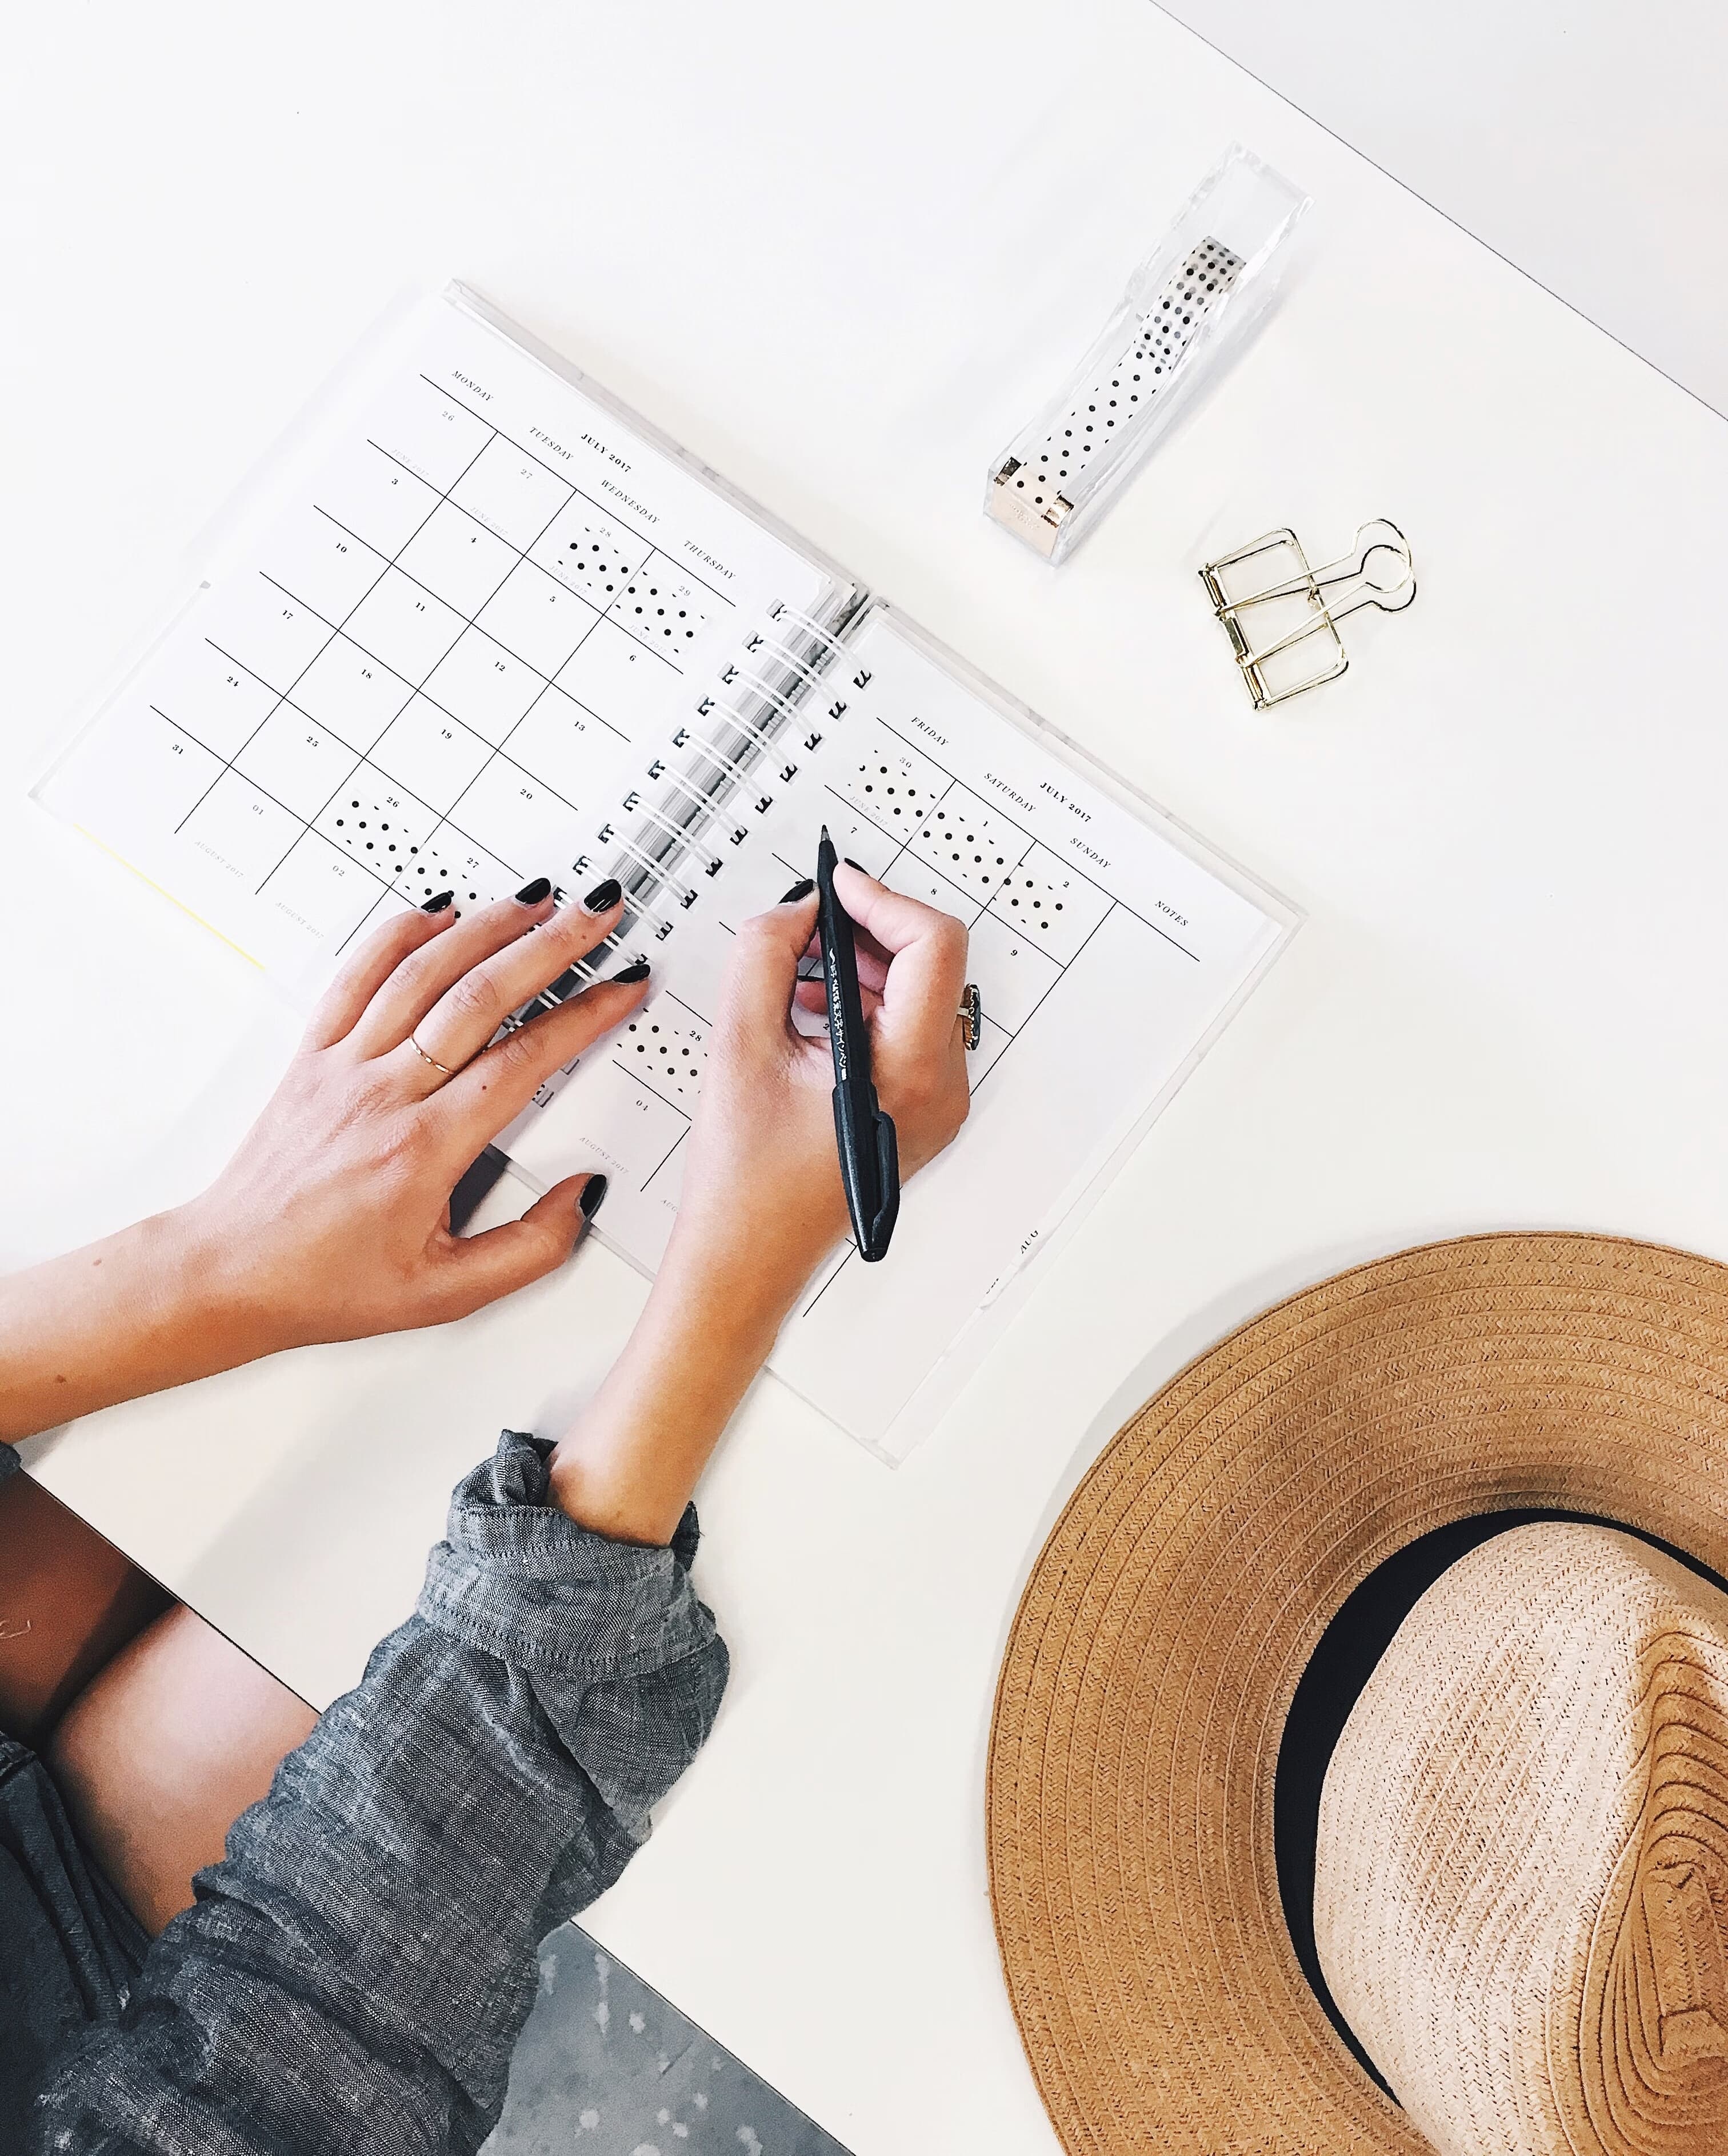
(332, 1220)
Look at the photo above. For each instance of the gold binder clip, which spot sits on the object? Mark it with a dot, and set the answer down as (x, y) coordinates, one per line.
(1302, 647)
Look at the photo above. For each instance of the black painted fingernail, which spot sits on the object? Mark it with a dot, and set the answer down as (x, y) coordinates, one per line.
(639, 972)
(604, 897)
(437, 905)
(799, 891)
(593, 1193)
(531, 894)
(852, 864)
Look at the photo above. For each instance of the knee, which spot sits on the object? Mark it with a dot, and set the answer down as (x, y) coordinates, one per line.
(158, 1757)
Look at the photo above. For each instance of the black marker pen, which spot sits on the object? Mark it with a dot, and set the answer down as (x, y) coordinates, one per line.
(869, 1155)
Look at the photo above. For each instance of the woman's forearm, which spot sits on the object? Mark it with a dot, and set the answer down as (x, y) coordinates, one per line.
(628, 1465)
(147, 1308)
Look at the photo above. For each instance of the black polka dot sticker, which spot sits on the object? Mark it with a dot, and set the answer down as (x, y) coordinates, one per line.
(660, 611)
(387, 837)
(1051, 905)
(895, 787)
(666, 1053)
(967, 842)
(381, 828)
(594, 557)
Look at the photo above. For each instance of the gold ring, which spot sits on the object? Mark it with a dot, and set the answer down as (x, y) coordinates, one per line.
(971, 1013)
(444, 1068)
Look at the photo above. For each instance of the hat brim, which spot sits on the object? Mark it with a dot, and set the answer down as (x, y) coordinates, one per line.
(1152, 1664)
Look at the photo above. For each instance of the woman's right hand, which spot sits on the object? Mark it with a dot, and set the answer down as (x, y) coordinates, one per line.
(762, 1201)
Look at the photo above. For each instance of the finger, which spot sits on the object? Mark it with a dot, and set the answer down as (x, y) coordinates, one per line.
(339, 1009)
(481, 1268)
(469, 1014)
(422, 978)
(927, 962)
(812, 996)
(474, 1106)
(756, 1005)
(872, 959)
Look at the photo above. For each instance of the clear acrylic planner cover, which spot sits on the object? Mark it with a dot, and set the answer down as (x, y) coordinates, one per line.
(482, 623)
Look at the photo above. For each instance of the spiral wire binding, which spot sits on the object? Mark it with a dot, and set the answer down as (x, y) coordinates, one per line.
(659, 870)
(646, 872)
(810, 626)
(682, 833)
(770, 697)
(764, 742)
(809, 675)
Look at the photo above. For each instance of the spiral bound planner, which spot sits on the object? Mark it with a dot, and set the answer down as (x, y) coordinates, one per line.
(496, 626)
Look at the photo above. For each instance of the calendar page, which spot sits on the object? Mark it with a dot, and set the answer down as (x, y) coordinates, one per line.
(492, 591)
(1107, 948)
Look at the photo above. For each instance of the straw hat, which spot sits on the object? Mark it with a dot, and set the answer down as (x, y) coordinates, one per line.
(1495, 1787)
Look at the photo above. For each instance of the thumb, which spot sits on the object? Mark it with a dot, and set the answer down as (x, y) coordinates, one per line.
(764, 970)
(484, 1267)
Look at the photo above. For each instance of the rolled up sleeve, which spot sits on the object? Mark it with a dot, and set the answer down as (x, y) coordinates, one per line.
(355, 1973)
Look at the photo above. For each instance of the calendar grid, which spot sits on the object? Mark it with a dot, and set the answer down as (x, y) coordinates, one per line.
(358, 754)
(414, 688)
(605, 508)
(282, 695)
(448, 821)
(903, 848)
(422, 690)
(521, 553)
(919, 749)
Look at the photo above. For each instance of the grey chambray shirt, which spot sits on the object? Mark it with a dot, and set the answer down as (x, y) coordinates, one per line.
(355, 1973)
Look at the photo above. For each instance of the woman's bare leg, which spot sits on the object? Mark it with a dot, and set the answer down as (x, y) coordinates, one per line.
(161, 1753)
(69, 1603)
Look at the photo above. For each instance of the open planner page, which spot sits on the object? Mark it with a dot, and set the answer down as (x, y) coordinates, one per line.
(1106, 951)
(497, 630)
(425, 674)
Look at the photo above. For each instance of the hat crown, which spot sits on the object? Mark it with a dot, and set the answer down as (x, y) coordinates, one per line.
(1521, 1887)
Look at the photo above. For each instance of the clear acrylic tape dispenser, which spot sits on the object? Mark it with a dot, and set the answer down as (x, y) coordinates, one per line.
(1189, 308)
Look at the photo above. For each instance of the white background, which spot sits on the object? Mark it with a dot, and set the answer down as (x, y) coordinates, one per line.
(1584, 139)
(844, 259)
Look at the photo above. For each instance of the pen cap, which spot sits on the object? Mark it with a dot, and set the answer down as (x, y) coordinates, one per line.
(888, 1187)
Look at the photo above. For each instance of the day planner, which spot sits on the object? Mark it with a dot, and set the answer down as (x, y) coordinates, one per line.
(497, 627)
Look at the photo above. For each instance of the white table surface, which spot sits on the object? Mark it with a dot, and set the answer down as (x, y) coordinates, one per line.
(843, 265)
(1583, 139)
